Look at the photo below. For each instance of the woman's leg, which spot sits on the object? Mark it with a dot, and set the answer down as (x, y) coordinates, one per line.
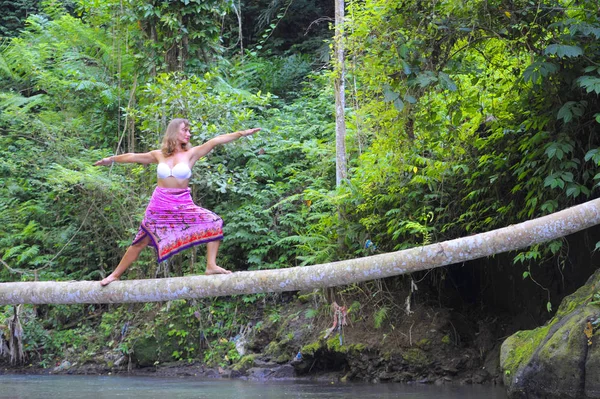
(130, 256)
(211, 259)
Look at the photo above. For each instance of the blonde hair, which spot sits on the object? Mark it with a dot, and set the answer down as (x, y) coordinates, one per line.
(170, 143)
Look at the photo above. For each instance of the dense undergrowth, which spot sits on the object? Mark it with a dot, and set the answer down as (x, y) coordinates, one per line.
(461, 118)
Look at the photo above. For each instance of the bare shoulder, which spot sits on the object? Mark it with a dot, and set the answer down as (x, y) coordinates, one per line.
(157, 155)
(199, 151)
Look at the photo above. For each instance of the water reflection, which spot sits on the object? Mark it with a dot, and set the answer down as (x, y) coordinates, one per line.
(67, 387)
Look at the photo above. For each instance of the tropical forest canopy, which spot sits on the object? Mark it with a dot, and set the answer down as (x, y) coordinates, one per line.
(461, 117)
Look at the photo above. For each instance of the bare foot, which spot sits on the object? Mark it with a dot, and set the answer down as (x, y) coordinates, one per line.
(108, 280)
(216, 270)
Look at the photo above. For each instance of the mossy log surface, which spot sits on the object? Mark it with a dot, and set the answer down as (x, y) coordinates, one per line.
(509, 238)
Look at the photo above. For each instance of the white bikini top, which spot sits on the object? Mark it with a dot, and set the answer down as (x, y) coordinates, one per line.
(179, 171)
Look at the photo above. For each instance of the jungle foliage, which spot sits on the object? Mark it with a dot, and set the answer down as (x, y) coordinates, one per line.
(462, 117)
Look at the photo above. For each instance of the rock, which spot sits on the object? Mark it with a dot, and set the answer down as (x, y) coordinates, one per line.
(235, 374)
(386, 376)
(145, 351)
(480, 376)
(224, 373)
(64, 366)
(555, 361)
(211, 373)
(259, 373)
(264, 364)
(285, 371)
(120, 361)
(450, 370)
(592, 369)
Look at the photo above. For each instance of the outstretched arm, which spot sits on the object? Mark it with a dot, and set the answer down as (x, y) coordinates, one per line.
(201, 150)
(143, 158)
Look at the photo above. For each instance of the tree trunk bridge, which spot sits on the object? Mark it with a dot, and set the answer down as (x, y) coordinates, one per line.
(459, 250)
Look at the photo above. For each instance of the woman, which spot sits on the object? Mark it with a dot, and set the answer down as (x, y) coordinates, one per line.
(172, 221)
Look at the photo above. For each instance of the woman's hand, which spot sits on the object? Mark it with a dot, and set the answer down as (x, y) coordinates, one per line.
(249, 132)
(104, 162)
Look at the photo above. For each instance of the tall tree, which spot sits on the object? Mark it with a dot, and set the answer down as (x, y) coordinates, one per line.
(341, 168)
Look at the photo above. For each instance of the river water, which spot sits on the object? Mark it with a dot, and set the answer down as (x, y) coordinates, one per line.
(67, 387)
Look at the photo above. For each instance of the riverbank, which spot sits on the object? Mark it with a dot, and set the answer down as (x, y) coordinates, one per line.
(305, 336)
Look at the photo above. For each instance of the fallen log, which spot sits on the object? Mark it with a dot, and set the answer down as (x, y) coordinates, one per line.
(459, 250)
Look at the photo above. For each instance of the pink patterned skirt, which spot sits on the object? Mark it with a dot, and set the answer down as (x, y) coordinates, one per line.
(173, 222)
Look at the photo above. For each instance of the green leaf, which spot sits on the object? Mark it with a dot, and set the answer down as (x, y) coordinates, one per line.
(567, 176)
(573, 191)
(388, 94)
(555, 246)
(551, 151)
(549, 307)
(594, 155)
(554, 181)
(589, 83)
(525, 275)
(405, 67)
(565, 113)
(410, 99)
(446, 82)
(563, 50)
(424, 79)
(399, 104)
(550, 205)
(571, 109)
(457, 117)
(537, 70)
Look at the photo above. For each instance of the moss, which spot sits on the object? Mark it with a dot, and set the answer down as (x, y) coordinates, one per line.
(245, 362)
(311, 349)
(283, 358)
(146, 351)
(308, 297)
(424, 343)
(579, 297)
(333, 345)
(519, 348)
(273, 349)
(446, 340)
(416, 357)
(358, 347)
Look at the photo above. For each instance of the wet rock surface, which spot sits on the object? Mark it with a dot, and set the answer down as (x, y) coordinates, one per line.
(560, 359)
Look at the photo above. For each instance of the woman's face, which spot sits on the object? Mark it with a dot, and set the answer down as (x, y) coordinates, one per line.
(183, 134)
